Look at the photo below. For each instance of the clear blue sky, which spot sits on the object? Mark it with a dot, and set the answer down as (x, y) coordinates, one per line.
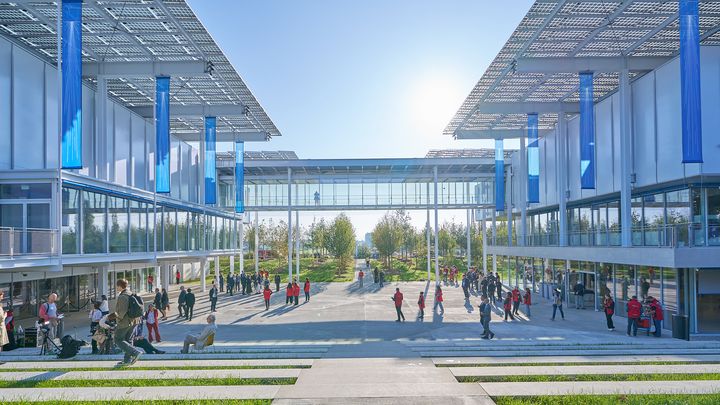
(371, 78)
(363, 78)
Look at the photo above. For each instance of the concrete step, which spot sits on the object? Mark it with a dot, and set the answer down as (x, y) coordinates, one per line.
(575, 370)
(176, 356)
(601, 388)
(149, 374)
(148, 362)
(574, 359)
(139, 393)
(567, 352)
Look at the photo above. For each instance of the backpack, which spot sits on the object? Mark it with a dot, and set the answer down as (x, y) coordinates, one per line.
(135, 306)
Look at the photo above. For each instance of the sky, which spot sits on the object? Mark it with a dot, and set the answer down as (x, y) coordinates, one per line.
(361, 79)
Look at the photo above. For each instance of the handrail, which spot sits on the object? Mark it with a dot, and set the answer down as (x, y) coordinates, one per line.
(16, 242)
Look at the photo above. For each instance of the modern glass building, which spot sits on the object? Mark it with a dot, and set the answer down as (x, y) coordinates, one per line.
(616, 182)
(107, 115)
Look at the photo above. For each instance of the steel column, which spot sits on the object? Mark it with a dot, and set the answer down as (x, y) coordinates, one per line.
(257, 238)
(289, 225)
(625, 93)
(524, 184)
(562, 178)
(437, 254)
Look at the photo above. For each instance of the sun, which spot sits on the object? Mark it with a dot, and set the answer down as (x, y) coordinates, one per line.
(433, 99)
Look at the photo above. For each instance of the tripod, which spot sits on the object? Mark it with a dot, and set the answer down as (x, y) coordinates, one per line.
(48, 345)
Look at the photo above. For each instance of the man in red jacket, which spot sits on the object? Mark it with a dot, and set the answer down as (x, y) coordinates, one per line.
(515, 300)
(657, 315)
(421, 307)
(296, 292)
(634, 309)
(398, 298)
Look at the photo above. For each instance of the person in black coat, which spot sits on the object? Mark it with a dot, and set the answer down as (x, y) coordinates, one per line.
(213, 298)
(277, 282)
(182, 301)
(189, 304)
(165, 302)
(230, 285)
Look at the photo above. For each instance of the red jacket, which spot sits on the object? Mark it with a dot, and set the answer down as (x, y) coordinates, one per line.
(515, 295)
(398, 297)
(527, 299)
(609, 306)
(289, 291)
(306, 288)
(657, 310)
(634, 309)
(438, 296)
(267, 293)
(507, 304)
(296, 290)
(361, 274)
(421, 302)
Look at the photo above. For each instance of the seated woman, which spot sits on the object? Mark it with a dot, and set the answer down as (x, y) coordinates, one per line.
(140, 341)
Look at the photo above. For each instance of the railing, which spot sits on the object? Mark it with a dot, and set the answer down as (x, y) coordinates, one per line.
(27, 242)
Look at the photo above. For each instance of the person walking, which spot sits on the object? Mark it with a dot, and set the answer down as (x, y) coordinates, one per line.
(527, 300)
(95, 316)
(213, 298)
(361, 276)
(376, 274)
(164, 304)
(296, 292)
(152, 321)
(507, 306)
(222, 282)
(182, 303)
(150, 282)
(438, 300)
(267, 292)
(382, 278)
(498, 287)
(306, 290)
(126, 313)
(421, 307)
(657, 315)
(485, 317)
(398, 298)
(157, 299)
(557, 304)
(609, 309)
(177, 276)
(277, 282)
(189, 304)
(515, 300)
(579, 291)
(465, 283)
(634, 309)
(490, 286)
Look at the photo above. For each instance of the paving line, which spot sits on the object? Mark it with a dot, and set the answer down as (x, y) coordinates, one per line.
(148, 374)
(51, 364)
(579, 352)
(573, 359)
(496, 389)
(577, 370)
(139, 393)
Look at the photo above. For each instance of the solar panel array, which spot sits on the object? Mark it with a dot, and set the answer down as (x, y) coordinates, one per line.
(143, 31)
(562, 28)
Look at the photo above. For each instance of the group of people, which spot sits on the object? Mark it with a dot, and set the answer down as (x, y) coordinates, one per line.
(398, 298)
(246, 284)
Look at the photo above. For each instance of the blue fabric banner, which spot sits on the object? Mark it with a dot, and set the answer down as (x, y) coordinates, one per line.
(71, 70)
(210, 171)
(499, 175)
(162, 134)
(533, 159)
(587, 132)
(239, 177)
(690, 82)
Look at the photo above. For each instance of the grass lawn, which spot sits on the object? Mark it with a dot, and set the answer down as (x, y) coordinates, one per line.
(603, 363)
(145, 382)
(403, 271)
(309, 268)
(153, 402)
(591, 377)
(664, 399)
(159, 368)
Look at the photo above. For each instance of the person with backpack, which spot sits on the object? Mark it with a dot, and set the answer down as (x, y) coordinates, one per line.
(609, 309)
(128, 311)
(182, 301)
(189, 304)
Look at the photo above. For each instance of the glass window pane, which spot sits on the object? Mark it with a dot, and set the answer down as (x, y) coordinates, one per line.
(138, 226)
(713, 215)
(118, 217)
(94, 238)
(70, 220)
(169, 230)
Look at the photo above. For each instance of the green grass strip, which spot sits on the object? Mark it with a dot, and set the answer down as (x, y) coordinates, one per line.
(589, 377)
(154, 402)
(580, 363)
(158, 368)
(144, 382)
(651, 399)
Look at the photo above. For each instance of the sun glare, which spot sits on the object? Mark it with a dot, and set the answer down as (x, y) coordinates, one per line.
(433, 100)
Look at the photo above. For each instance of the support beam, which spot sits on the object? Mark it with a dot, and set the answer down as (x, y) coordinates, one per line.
(523, 191)
(241, 237)
(483, 229)
(435, 230)
(469, 238)
(257, 238)
(241, 136)
(289, 225)
(217, 269)
(582, 64)
(196, 110)
(562, 178)
(495, 133)
(297, 243)
(115, 70)
(625, 96)
(524, 107)
(232, 263)
(427, 235)
(203, 273)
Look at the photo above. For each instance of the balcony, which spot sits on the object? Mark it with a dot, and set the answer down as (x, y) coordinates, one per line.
(27, 242)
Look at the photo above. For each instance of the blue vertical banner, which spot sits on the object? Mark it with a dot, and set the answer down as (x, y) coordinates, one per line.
(239, 177)
(533, 159)
(499, 175)
(71, 70)
(162, 134)
(587, 132)
(210, 171)
(690, 82)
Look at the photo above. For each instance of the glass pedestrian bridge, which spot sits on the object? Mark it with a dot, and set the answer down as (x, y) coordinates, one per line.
(275, 182)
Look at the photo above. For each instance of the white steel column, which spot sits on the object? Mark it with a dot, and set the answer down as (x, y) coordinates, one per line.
(160, 280)
(625, 159)
(203, 273)
(522, 232)
(427, 235)
(437, 254)
(232, 264)
(289, 225)
(257, 238)
(483, 228)
(562, 178)
(103, 282)
(469, 224)
(241, 237)
(297, 244)
(494, 238)
(217, 269)
(102, 164)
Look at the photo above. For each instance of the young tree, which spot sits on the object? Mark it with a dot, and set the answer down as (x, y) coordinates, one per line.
(340, 241)
(250, 236)
(386, 237)
(278, 240)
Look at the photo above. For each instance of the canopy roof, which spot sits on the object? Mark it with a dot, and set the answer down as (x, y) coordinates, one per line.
(144, 31)
(562, 28)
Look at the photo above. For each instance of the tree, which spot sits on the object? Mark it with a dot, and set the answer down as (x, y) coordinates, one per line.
(363, 251)
(250, 237)
(340, 241)
(278, 239)
(318, 233)
(387, 237)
